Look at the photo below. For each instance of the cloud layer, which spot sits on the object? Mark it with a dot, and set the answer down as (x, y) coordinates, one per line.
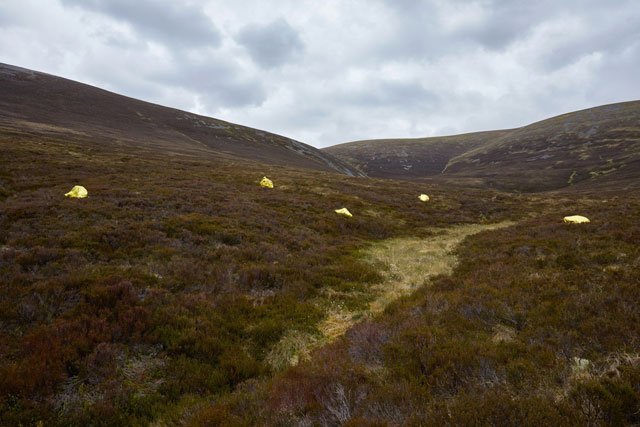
(334, 71)
(271, 45)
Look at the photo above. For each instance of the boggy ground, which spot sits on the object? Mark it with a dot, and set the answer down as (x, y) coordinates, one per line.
(405, 264)
(177, 277)
(164, 296)
(538, 324)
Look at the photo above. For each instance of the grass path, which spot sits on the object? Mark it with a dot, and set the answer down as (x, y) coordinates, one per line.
(411, 262)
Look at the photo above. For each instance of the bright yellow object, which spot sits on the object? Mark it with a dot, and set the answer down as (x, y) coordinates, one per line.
(78, 192)
(575, 219)
(423, 197)
(344, 211)
(266, 182)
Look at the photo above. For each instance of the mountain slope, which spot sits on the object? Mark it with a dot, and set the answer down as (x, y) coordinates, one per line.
(597, 147)
(178, 279)
(409, 158)
(179, 283)
(41, 103)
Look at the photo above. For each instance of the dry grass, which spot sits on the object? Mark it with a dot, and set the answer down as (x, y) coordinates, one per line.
(409, 262)
(413, 261)
(292, 347)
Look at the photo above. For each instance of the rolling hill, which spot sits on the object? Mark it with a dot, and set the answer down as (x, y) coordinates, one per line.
(180, 292)
(409, 158)
(593, 148)
(40, 103)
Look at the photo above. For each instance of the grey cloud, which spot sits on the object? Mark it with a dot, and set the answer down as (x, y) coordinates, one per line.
(212, 77)
(506, 22)
(9, 16)
(173, 24)
(613, 37)
(616, 77)
(271, 45)
(399, 95)
(418, 32)
(511, 20)
(311, 115)
(216, 83)
(562, 55)
(412, 30)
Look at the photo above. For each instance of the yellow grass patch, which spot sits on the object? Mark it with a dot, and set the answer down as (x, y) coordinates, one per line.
(411, 263)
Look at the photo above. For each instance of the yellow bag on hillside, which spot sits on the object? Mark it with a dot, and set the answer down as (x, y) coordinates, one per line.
(344, 211)
(78, 192)
(266, 182)
(423, 197)
(576, 219)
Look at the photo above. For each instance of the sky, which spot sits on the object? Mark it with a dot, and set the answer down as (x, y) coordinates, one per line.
(330, 71)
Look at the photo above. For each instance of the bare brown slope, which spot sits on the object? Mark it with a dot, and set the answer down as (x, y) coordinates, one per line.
(41, 103)
(409, 158)
(596, 148)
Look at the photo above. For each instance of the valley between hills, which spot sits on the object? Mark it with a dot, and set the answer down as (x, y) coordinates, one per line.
(181, 292)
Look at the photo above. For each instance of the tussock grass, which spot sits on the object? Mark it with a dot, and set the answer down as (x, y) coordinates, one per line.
(406, 264)
(412, 261)
(292, 347)
(536, 324)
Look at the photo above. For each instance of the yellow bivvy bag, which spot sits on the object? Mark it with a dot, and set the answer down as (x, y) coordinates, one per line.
(423, 198)
(266, 182)
(344, 211)
(77, 192)
(576, 219)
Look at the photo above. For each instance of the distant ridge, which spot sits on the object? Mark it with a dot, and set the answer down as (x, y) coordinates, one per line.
(42, 103)
(596, 147)
(409, 158)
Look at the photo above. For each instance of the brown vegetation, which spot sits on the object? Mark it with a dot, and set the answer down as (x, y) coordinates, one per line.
(179, 290)
(561, 298)
(177, 277)
(593, 149)
(46, 104)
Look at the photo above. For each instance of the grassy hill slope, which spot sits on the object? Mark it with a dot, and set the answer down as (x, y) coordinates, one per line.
(179, 290)
(409, 158)
(175, 280)
(42, 103)
(598, 146)
(166, 295)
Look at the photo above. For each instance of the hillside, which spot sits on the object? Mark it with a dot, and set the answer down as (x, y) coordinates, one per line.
(597, 147)
(40, 103)
(180, 292)
(409, 158)
(178, 279)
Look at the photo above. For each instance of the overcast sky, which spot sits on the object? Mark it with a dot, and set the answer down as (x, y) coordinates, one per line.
(331, 71)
